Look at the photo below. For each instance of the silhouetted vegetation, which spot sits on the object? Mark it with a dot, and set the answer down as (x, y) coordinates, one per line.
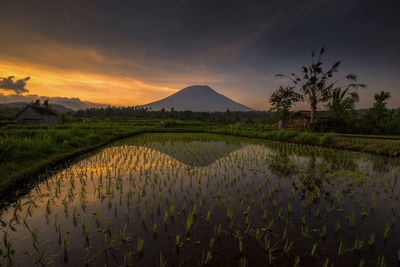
(381, 119)
(317, 86)
(282, 101)
(138, 113)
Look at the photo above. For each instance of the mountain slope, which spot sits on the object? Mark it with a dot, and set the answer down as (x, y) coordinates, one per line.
(197, 98)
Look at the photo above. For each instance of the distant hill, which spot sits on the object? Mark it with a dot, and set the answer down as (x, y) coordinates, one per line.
(69, 103)
(16, 106)
(197, 98)
(75, 103)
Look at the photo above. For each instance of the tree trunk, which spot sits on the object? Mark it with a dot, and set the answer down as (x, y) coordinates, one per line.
(281, 124)
(312, 115)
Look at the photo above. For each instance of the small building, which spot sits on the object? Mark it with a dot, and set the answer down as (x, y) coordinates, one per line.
(301, 121)
(32, 115)
(298, 121)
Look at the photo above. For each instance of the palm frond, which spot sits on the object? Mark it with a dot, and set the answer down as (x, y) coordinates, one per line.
(351, 77)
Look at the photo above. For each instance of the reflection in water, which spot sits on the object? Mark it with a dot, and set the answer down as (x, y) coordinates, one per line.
(195, 153)
(184, 192)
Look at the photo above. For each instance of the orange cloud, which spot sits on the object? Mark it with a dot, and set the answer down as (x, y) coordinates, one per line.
(110, 89)
(92, 74)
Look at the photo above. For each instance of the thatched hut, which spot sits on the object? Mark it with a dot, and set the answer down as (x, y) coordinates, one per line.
(37, 115)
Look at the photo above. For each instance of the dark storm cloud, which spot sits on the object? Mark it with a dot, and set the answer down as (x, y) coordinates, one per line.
(223, 38)
(17, 86)
(191, 30)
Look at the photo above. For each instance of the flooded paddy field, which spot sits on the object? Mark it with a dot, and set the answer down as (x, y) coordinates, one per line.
(200, 199)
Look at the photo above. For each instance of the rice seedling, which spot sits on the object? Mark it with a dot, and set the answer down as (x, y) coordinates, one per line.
(304, 231)
(139, 246)
(218, 230)
(243, 262)
(381, 261)
(189, 224)
(87, 254)
(155, 230)
(208, 216)
(386, 232)
(178, 242)
(206, 257)
(270, 224)
(161, 261)
(288, 246)
(398, 255)
(172, 210)
(240, 242)
(337, 226)
(323, 232)
(166, 218)
(39, 259)
(127, 258)
(314, 247)
(296, 261)
(123, 234)
(212, 241)
(341, 249)
(358, 244)
(371, 240)
(326, 263)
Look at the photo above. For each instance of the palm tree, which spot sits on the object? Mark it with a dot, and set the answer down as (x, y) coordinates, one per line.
(316, 85)
(341, 105)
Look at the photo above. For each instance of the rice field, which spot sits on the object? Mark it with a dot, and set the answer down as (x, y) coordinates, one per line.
(171, 199)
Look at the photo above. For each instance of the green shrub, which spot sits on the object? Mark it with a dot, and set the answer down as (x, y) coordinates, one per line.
(174, 123)
(328, 139)
(285, 135)
(308, 138)
(272, 135)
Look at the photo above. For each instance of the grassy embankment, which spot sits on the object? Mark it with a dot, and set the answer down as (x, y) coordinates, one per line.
(26, 151)
(382, 145)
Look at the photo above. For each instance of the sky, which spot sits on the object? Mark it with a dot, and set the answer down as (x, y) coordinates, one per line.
(130, 53)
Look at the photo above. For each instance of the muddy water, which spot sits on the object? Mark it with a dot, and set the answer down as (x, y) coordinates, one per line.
(229, 201)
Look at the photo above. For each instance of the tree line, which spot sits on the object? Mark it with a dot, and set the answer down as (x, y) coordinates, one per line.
(139, 113)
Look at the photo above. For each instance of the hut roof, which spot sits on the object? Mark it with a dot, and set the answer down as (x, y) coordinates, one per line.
(40, 110)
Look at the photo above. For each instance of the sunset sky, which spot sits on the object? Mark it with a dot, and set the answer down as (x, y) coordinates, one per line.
(135, 52)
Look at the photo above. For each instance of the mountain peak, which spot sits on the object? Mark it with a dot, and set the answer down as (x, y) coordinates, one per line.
(198, 91)
(198, 88)
(197, 98)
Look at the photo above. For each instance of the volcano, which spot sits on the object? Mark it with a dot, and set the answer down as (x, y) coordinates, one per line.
(197, 98)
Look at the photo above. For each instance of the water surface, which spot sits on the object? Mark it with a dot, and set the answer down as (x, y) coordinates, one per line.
(229, 201)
